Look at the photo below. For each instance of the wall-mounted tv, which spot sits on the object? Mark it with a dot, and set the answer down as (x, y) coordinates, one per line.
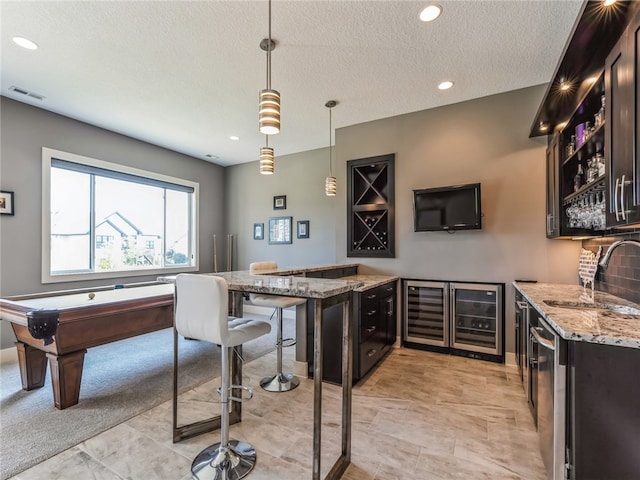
(455, 207)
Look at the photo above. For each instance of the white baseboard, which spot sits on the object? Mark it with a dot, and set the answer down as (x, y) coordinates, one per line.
(9, 355)
(510, 359)
(300, 369)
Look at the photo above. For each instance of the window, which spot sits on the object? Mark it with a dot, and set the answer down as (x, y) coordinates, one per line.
(104, 220)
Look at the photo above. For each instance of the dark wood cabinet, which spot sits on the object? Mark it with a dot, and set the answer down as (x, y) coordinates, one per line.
(553, 187)
(579, 152)
(376, 329)
(370, 198)
(582, 82)
(622, 134)
(373, 316)
(602, 411)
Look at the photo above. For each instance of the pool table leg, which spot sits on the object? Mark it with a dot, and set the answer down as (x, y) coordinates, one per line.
(33, 366)
(66, 375)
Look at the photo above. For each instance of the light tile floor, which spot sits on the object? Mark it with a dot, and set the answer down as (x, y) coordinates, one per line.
(418, 416)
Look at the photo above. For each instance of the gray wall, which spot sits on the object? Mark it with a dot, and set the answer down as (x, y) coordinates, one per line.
(483, 140)
(24, 131)
(250, 200)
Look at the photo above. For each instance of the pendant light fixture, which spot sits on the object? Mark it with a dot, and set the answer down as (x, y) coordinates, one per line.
(269, 114)
(266, 159)
(330, 184)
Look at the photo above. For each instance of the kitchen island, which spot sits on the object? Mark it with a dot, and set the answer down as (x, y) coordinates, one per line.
(322, 293)
(581, 377)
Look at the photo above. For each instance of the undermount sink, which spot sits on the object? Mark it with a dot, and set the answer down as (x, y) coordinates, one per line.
(610, 307)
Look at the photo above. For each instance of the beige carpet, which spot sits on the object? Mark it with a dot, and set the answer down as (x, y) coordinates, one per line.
(119, 381)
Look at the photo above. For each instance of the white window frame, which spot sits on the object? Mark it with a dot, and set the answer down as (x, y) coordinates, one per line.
(47, 155)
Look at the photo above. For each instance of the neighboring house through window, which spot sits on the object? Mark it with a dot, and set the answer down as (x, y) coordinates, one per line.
(105, 220)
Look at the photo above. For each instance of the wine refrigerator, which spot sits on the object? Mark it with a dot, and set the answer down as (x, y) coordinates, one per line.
(459, 318)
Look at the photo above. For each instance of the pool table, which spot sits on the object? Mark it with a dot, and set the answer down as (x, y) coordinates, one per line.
(85, 319)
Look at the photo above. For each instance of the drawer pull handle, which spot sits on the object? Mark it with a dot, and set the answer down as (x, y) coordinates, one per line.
(371, 329)
(371, 353)
(371, 297)
(372, 312)
(390, 289)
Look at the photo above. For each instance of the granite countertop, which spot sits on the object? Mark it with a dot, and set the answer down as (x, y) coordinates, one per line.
(370, 281)
(301, 270)
(285, 285)
(585, 324)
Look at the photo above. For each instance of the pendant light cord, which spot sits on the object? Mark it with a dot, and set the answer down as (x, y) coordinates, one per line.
(269, 52)
(330, 148)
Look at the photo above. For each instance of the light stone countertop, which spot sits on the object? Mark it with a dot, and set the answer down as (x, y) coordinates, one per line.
(301, 270)
(285, 285)
(370, 281)
(593, 325)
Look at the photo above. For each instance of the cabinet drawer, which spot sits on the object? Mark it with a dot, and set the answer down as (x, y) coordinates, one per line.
(368, 321)
(370, 352)
(374, 295)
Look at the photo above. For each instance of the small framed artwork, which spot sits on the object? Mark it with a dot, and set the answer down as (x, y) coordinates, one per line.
(258, 231)
(280, 202)
(279, 230)
(7, 205)
(303, 229)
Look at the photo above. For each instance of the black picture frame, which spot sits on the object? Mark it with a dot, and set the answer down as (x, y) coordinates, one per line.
(7, 203)
(280, 202)
(258, 231)
(302, 229)
(279, 230)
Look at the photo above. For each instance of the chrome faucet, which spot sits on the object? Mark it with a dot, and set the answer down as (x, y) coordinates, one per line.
(605, 260)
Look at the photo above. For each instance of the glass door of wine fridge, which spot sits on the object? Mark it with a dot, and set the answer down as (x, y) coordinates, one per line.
(476, 317)
(426, 313)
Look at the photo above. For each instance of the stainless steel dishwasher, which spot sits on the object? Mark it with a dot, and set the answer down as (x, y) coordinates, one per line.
(551, 393)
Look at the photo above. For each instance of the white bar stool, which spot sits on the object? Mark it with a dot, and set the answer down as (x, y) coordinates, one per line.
(279, 382)
(202, 313)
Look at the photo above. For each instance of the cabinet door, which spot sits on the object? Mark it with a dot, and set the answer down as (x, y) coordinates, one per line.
(553, 187)
(426, 313)
(621, 81)
(634, 190)
(476, 318)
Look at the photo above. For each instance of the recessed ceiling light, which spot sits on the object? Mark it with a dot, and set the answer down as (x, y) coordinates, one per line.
(430, 12)
(234, 137)
(564, 86)
(608, 3)
(25, 43)
(445, 85)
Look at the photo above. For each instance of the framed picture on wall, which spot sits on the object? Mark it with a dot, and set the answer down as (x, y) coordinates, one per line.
(279, 230)
(6, 203)
(258, 231)
(280, 202)
(303, 229)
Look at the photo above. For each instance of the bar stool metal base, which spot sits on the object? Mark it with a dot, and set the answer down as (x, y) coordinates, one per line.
(280, 382)
(219, 463)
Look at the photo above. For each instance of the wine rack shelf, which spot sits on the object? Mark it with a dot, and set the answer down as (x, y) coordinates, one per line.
(370, 197)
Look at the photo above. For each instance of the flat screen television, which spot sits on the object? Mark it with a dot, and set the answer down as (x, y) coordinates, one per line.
(449, 208)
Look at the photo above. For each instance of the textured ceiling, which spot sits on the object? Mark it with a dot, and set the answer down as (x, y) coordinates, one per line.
(185, 75)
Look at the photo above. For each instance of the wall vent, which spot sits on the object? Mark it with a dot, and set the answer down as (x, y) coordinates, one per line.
(27, 93)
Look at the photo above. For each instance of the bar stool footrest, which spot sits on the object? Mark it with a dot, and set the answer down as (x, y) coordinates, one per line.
(237, 399)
